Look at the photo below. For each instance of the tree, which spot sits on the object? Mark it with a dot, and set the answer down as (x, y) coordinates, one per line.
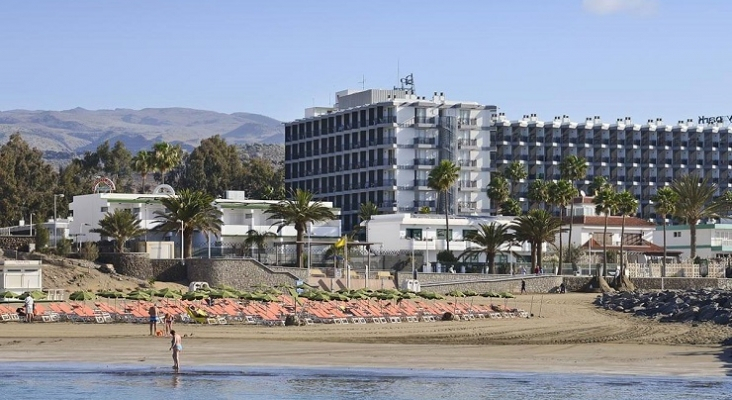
(498, 191)
(605, 203)
(121, 226)
(143, 163)
(42, 237)
(214, 167)
(491, 239)
(664, 202)
(561, 194)
(515, 172)
(194, 209)
(26, 180)
(539, 192)
(627, 205)
(441, 178)
(511, 207)
(536, 227)
(166, 157)
(259, 239)
(365, 212)
(262, 180)
(117, 162)
(695, 201)
(598, 183)
(573, 168)
(299, 210)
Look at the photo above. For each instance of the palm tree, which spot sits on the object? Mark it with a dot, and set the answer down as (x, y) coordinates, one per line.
(491, 238)
(539, 192)
(572, 168)
(498, 191)
(165, 157)
(598, 183)
(664, 202)
(515, 172)
(441, 178)
(561, 194)
(299, 210)
(605, 203)
(121, 225)
(536, 227)
(627, 205)
(365, 212)
(259, 239)
(695, 202)
(190, 210)
(142, 163)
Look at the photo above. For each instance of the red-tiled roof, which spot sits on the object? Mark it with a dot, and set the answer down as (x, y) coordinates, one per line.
(583, 200)
(645, 248)
(611, 221)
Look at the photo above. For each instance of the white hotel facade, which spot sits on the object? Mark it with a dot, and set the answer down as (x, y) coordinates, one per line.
(380, 145)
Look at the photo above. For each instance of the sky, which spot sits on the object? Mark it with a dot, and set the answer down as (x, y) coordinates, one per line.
(613, 58)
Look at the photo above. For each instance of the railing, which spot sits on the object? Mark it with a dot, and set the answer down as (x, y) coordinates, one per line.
(420, 182)
(424, 161)
(468, 121)
(424, 140)
(468, 184)
(467, 142)
(424, 120)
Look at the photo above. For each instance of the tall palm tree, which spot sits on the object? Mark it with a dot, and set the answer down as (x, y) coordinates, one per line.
(536, 227)
(598, 183)
(365, 212)
(165, 157)
(605, 203)
(441, 179)
(498, 191)
(627, 205)
(664, 202)
(299, 210)
(191, 210)
(515, 172)
(572, 168)
(561, 194)
(142, 163)
(259, 239)
(539, 192)
(121, 225)
(491, 239)
(695, 202)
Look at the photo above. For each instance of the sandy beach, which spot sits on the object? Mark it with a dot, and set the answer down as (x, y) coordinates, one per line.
(566, 334)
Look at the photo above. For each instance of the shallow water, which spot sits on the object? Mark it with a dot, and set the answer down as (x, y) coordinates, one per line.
(74, 381)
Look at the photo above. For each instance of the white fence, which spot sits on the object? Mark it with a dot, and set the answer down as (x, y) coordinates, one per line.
(689, 270)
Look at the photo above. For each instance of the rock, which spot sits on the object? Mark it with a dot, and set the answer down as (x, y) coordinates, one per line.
(292, 320)
(448, 316)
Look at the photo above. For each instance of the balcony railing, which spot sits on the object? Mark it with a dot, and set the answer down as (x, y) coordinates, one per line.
(424, 161)
(467, 143)
(424, 120)
(420, 182)
(468, 184)
(424, 140)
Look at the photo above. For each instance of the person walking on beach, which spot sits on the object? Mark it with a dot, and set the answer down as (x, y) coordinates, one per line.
(29, 308)
(523, 286)
(168, 323)
(176, 345)
(153, 312)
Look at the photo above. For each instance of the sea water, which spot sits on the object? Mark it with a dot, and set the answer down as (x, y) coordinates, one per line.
(74, 381)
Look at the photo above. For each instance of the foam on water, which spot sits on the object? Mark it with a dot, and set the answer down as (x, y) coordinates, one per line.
(73, 381)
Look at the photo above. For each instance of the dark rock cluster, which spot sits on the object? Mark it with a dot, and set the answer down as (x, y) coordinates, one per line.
(703, 305)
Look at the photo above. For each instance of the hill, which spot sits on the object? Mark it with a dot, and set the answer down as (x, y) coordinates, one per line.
(63, 134)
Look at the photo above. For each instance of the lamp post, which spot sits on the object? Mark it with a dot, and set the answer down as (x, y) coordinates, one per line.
(182, 257)
(310, 253)
(427, 246)
(55, 228)
(414, 270)
(31, 224)
(589, 264)
(78, 237)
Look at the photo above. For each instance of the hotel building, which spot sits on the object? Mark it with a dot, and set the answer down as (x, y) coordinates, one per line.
(380, 145)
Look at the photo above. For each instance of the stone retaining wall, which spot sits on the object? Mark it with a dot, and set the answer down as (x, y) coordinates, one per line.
(15, 242)
(136, 265)
(442, 283)
(169, 270)
(239, 273)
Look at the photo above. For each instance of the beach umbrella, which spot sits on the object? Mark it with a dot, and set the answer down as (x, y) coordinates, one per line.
(36, 295)
(222, 294)
(8, 295)
(81, 295)
(470, 293)
(227, 288)
(169, 295)
(197, 295)
(359, 296)
(137, 295)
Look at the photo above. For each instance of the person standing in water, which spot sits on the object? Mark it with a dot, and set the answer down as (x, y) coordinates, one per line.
(176, 345)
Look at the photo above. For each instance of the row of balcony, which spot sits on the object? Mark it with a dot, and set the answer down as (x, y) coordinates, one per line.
(390, 119)
(384, 183)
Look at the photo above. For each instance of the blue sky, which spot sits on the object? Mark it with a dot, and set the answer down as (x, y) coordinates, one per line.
(613, 58)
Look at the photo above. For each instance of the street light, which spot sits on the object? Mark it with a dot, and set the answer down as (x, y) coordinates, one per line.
(310, 253)
(182, 258)
(55, 228)
(81, 233)
(427, 247)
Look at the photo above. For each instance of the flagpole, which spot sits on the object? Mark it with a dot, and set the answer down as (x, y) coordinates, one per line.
(345, 261)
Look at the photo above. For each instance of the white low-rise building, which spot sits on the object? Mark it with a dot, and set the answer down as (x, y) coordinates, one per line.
(713, 240)
(239, 216)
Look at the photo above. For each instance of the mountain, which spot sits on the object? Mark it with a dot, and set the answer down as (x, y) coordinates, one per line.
(61, 134)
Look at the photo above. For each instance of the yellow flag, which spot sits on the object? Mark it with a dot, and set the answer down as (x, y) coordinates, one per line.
(340, 243)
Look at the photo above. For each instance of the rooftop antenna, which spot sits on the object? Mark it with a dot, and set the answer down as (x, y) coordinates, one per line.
(406, 81)
(363, 82)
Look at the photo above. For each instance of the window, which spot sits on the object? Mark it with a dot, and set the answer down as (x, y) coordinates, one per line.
(414, 234)
(467, 233)
(441, 234)
(247, 216)
(677, 234)
(105, 209)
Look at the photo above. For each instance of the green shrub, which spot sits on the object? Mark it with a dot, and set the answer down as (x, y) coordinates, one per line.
(89, 251)
(446, 256)
(63, 247)
(42, 238)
